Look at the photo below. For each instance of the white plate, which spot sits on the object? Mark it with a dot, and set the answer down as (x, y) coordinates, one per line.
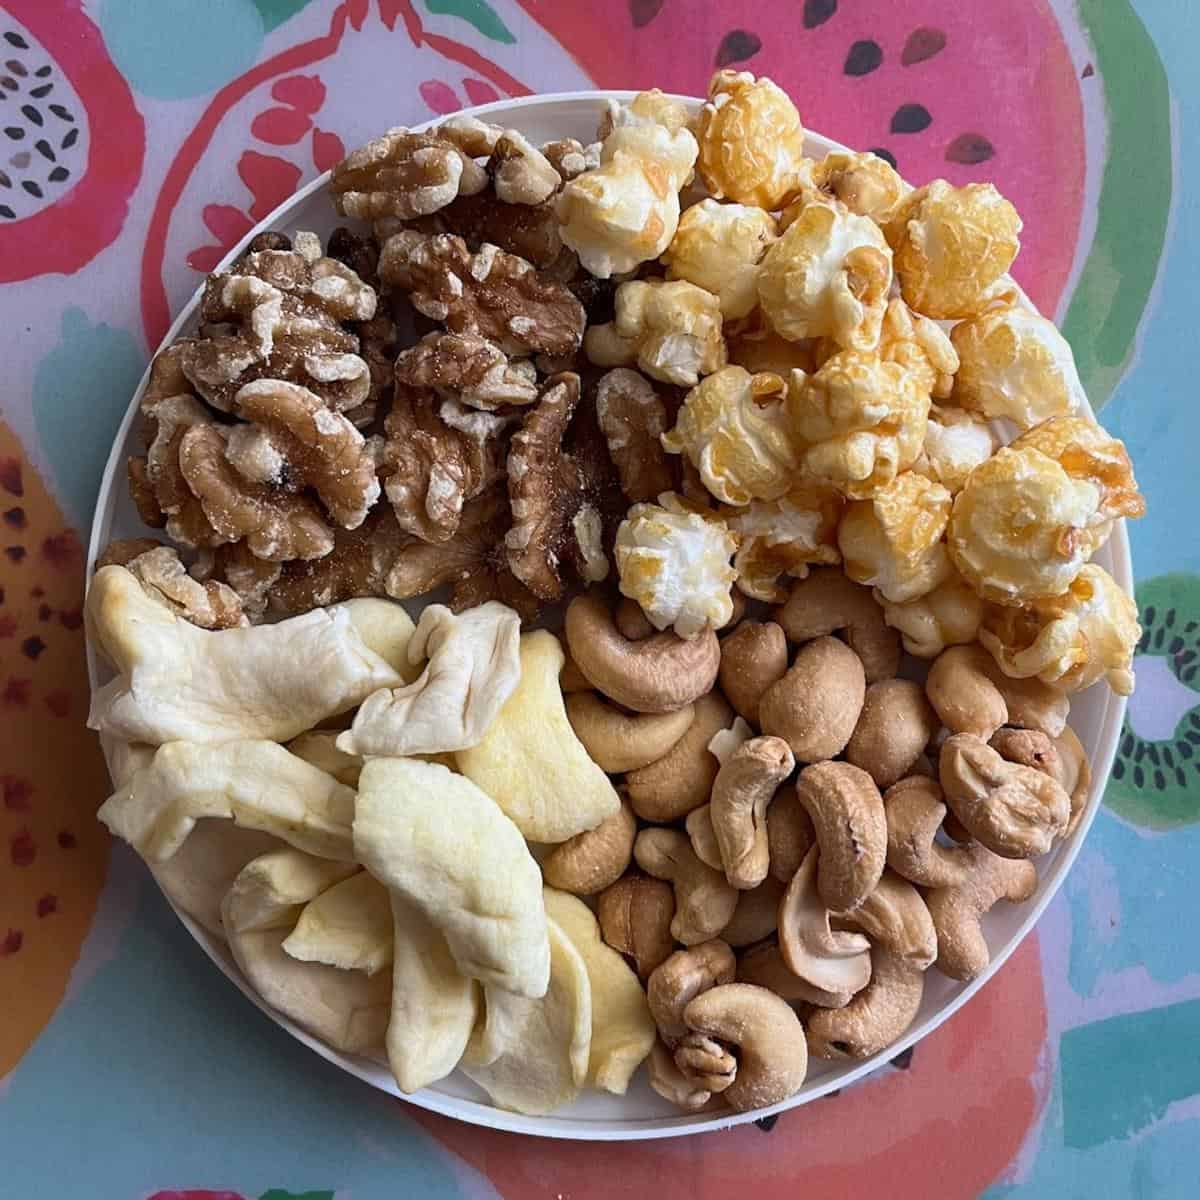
(1095, 715)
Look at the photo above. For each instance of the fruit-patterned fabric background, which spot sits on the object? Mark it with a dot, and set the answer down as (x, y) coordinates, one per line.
(139, 139)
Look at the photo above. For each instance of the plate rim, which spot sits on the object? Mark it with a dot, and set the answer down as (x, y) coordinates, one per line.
(609, 1129)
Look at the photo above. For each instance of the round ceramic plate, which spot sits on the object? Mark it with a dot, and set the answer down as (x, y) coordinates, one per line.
(1096, 716)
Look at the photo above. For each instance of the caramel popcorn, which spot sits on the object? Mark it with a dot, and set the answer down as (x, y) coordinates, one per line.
(1087, 634)
(949, 615)
(762, 349)
(718, 247)
(1015, 364)
(671, 330)
(956, 442)
(653, 107)
(751, 141)
(861, 421)
(893, 541)
(953, 247)
(469, 368)
(674, 561)
(786, 536)
(403, 174)
(1022, 528)
(920, 346)
(733, 428)
(490, 293)
(633, 419)
(828, 275)
(865, 183)
(1087, 452)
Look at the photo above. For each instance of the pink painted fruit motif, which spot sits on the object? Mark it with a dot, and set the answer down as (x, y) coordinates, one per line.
(64, 108)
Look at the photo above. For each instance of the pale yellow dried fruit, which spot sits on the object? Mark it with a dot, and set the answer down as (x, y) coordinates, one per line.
(674, 562)
(956, 442)
(861, 420)
(672, 331)
(1022, 527)
(1087, 634)
(1015, 364)
(733, 428)
(953, 246)
(751, 141)
(718, 247)
(949, 615)
(785, 537)
(893, 541)
(828, 275)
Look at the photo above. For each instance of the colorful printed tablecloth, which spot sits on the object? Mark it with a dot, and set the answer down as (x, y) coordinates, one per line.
(139, 139)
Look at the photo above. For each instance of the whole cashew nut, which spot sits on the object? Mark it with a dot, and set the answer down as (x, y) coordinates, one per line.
(672, 1084)
(659, 674)
(617, 741)
(703, 837)
(1030, 748)
(876, 1017)
(896, 919)
(893, 730)
(1013, 810)
(706, 1061)
(753, 657)
(756, 915)
(832, 960)
(790, 834)
(1062, 758)
(631, 622)
(683, 778)
(570, 677)
(635, 915)
(847, 815)
(590, 861)
(704, 900)
(816, 705)
(825, 602)
(914, 812)
(956, 911)
(768, 1039)
(744, 786)
(680, 979)
(764, 965)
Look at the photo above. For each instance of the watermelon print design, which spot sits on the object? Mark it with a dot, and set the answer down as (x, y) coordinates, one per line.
(64, 193)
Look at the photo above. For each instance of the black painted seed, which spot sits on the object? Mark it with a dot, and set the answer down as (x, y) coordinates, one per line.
(1148, 615)
(1176, 645)
(7, 212)
(62, 113)
(737, 46)
(1118, 769)
(58, 175)
(887, 156)
(642, 12)
(1167, 757)
(43, 148)
(1191, 627)
(70, 140)
(15, 39)
(40, 93)
(1169, 619)
(14, 132)
(17, 67)
(911, 118)
(42, 72)
(1152, 753)
(1143, 642)
(4, 180)
(1160, 781)
(1188, 675)
(1180, 777)
(817, 12)
(970, 149)
(10, 83)
(32, 188)
(864, 57)
(1159, 635)
(922, 44)
(1186, 657)
(1127, 744)
(33, 115)
(1185, 751)
(1194, 719)
(1193, 737)
(1139, 776)
(1140, 753)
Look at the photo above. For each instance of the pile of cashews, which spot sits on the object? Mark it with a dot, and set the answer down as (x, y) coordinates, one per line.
(802, 832)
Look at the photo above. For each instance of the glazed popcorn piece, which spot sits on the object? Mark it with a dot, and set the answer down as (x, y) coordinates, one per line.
(1015, 364)
(956, 442)
(953, 247)
(865, 183)
(733, 428)
(674, 562)
(828, 275)
(718, 247)
(920, 346)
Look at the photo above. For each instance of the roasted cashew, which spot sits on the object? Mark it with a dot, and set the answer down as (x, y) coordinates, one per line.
(817, 704)
(1030, 748)
(956, 911)
(706, 1061)
(704, 900)
(631, 622)
(790, 833)
(825, 602)
(753, 657)
(893, 730)
(771, 1051)
(618, 741)
(660, 674)
(1013, 810)
(672, 1084)
(914, 812)
(1062, 758)
(571, 678)
(847, 815)
(1076, 775)
(635, 915)
(896, 919)
(756, 915)
(683, 778)
(588, 862)
(876, 1017)
(764, 965)
(744, 786)
(680, 979)
(703, 837)
(832, 960)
